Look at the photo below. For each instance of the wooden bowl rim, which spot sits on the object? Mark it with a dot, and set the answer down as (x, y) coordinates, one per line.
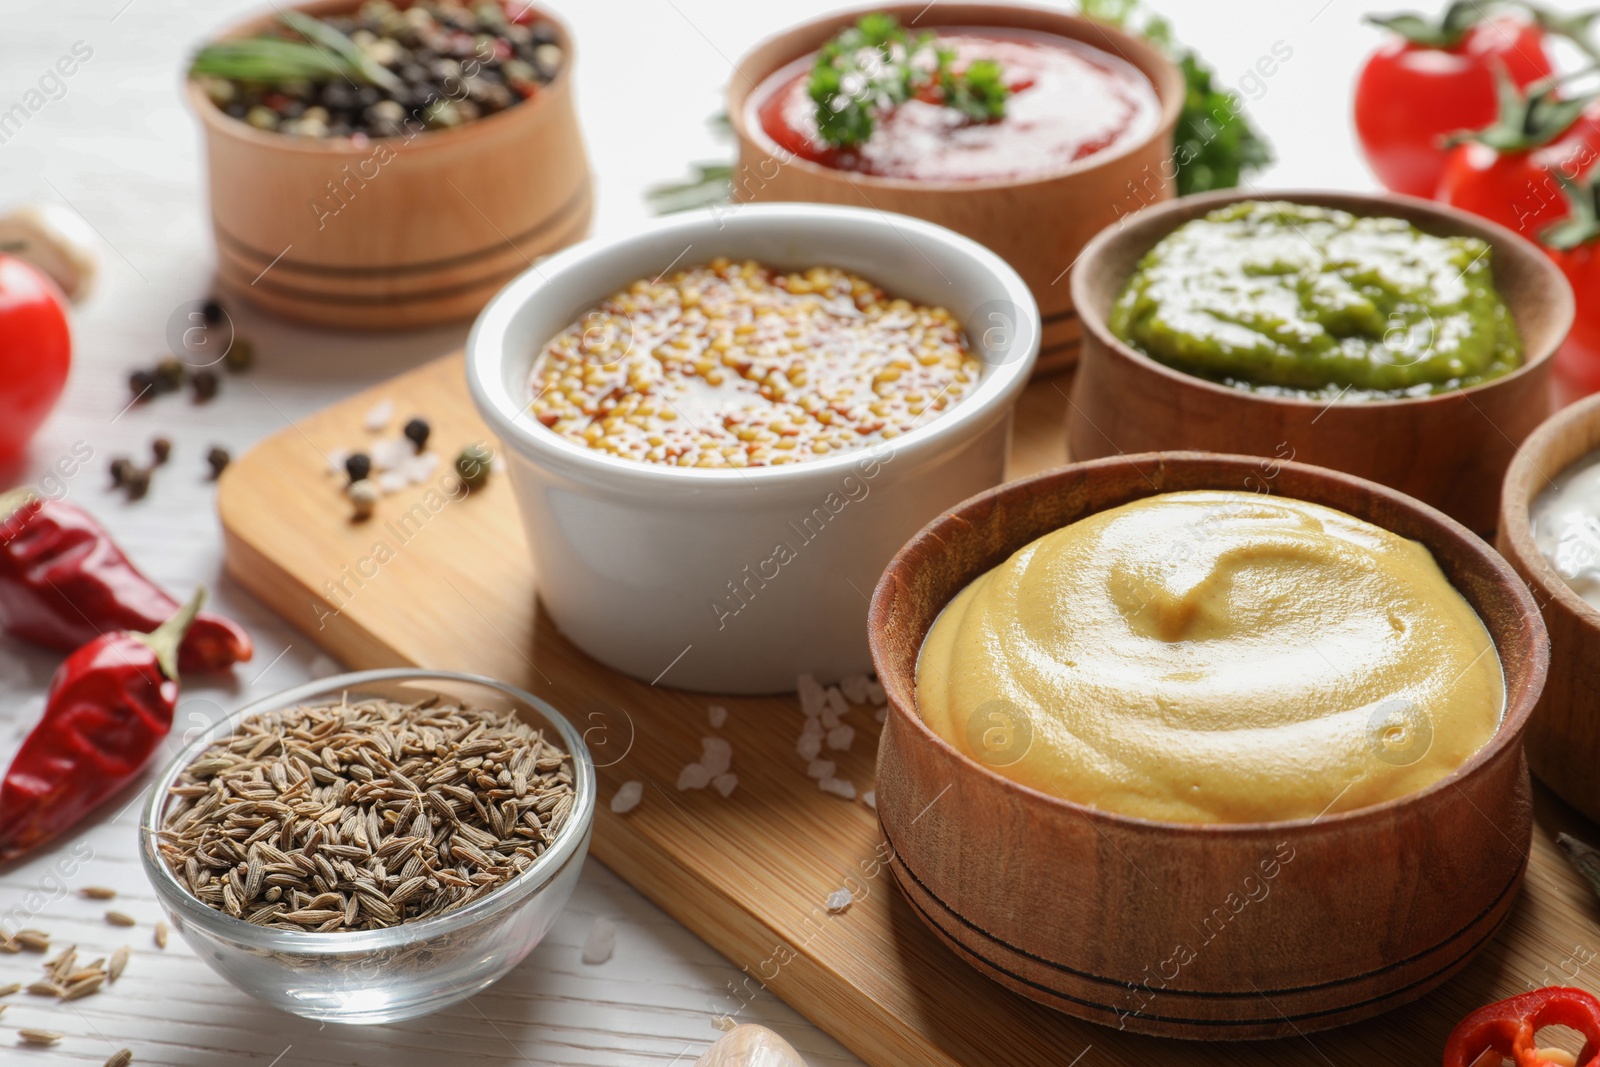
(1517, 492)
(1514, 720)
(223, 124)
(1451, 222)
(1169, 88)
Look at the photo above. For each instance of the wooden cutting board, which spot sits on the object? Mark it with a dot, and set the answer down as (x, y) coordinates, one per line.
(448, 584)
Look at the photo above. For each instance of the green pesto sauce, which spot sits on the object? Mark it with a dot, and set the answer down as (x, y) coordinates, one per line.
(1293, 300)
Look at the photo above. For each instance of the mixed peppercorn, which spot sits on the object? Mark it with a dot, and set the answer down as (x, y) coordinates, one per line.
(385, 71)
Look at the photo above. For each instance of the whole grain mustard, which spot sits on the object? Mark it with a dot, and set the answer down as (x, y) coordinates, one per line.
(736, 365)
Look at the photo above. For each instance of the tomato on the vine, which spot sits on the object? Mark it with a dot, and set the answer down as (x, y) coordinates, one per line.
(1432, 80)
(1575, 247)
(35, 351)
(1510, 171)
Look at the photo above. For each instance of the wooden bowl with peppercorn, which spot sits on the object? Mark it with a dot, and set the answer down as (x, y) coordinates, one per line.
(388, 166)
(1042, 129)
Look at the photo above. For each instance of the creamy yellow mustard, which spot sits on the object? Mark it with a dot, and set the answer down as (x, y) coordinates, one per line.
(1216, 657)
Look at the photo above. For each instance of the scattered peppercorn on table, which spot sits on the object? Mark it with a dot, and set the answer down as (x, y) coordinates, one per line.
(115, 146)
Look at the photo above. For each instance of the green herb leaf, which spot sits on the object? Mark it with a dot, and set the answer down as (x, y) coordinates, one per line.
(709, 183)
(320, 33)
(873, 67)
(268, 60)
(1214, 144)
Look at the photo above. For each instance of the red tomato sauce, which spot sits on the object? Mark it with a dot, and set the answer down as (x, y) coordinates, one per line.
(1068, 101)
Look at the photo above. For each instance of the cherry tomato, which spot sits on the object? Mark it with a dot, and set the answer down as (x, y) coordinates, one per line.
(1519, 189)
(1410, 96)
(35, 351)
(1578, 360)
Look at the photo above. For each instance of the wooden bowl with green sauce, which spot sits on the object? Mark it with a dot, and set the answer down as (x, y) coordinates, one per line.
(1201, 930)
(1397, 413)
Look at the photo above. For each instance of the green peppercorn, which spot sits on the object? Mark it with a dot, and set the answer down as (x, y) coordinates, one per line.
(358, 465)
(205, 385)
(241, 355)
(169, 375)
(417, 431)
(473, 465)
(160, 450)
(219, 459)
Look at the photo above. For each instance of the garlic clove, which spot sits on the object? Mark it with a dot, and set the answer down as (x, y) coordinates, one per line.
(57, 241)
(751, 1046)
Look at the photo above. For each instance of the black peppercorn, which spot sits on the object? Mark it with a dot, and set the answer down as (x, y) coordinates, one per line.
(358, 465)
(205, 386)
(119, 471)
(160, 449)
(219, 459)
(141, 383)
(211, 311)
(417, 432)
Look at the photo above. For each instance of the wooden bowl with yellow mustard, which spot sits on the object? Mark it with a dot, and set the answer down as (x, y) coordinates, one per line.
(1120, 819)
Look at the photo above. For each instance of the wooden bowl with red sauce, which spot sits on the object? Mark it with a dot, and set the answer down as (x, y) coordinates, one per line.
(1205, 931)
(1034, 186)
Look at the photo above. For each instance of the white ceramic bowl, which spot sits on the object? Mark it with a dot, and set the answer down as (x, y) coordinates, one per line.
(737, 581)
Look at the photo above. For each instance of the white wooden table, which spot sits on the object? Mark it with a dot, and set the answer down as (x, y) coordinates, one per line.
(120, 149)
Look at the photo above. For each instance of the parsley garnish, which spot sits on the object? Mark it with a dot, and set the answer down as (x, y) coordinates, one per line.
(873, 67)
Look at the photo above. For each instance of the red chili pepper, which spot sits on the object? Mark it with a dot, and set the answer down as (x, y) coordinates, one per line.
(63, 582)
(1508, 1027)
(110, 704)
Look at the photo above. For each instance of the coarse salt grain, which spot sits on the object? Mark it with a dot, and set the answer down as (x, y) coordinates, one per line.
(601, 943)
(725, 783)
(854, 688)
(875, 693)
(839, 787)
(830, 717)
(811, 695)
(419, 468)
(336, 458)
(840, 899)
(627, 797)
(723, 1022)
(810, 746)
(821, 768)
(836, 702)
(693, 776)
(716, 755)
(870, 799)
(718, 716)
(393, 481)
(841, 737)
(378, 416)
(391, 453)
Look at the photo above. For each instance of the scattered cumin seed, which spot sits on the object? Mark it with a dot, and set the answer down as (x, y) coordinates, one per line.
(44, 988)
(161, 935)
(97, 892)
(120, 1059)
(39, 1037)
(119, 962)
(364, 814)
(121, 918)
(14, 987)
(32, 940)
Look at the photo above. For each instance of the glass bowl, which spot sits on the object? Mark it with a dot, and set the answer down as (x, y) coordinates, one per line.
(379, 976)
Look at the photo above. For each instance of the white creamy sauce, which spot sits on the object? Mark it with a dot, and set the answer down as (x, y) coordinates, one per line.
(1565, 519)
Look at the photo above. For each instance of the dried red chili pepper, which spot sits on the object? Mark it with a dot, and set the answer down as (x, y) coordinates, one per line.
(1509, 1026)
(110, 704)
(63, 581)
